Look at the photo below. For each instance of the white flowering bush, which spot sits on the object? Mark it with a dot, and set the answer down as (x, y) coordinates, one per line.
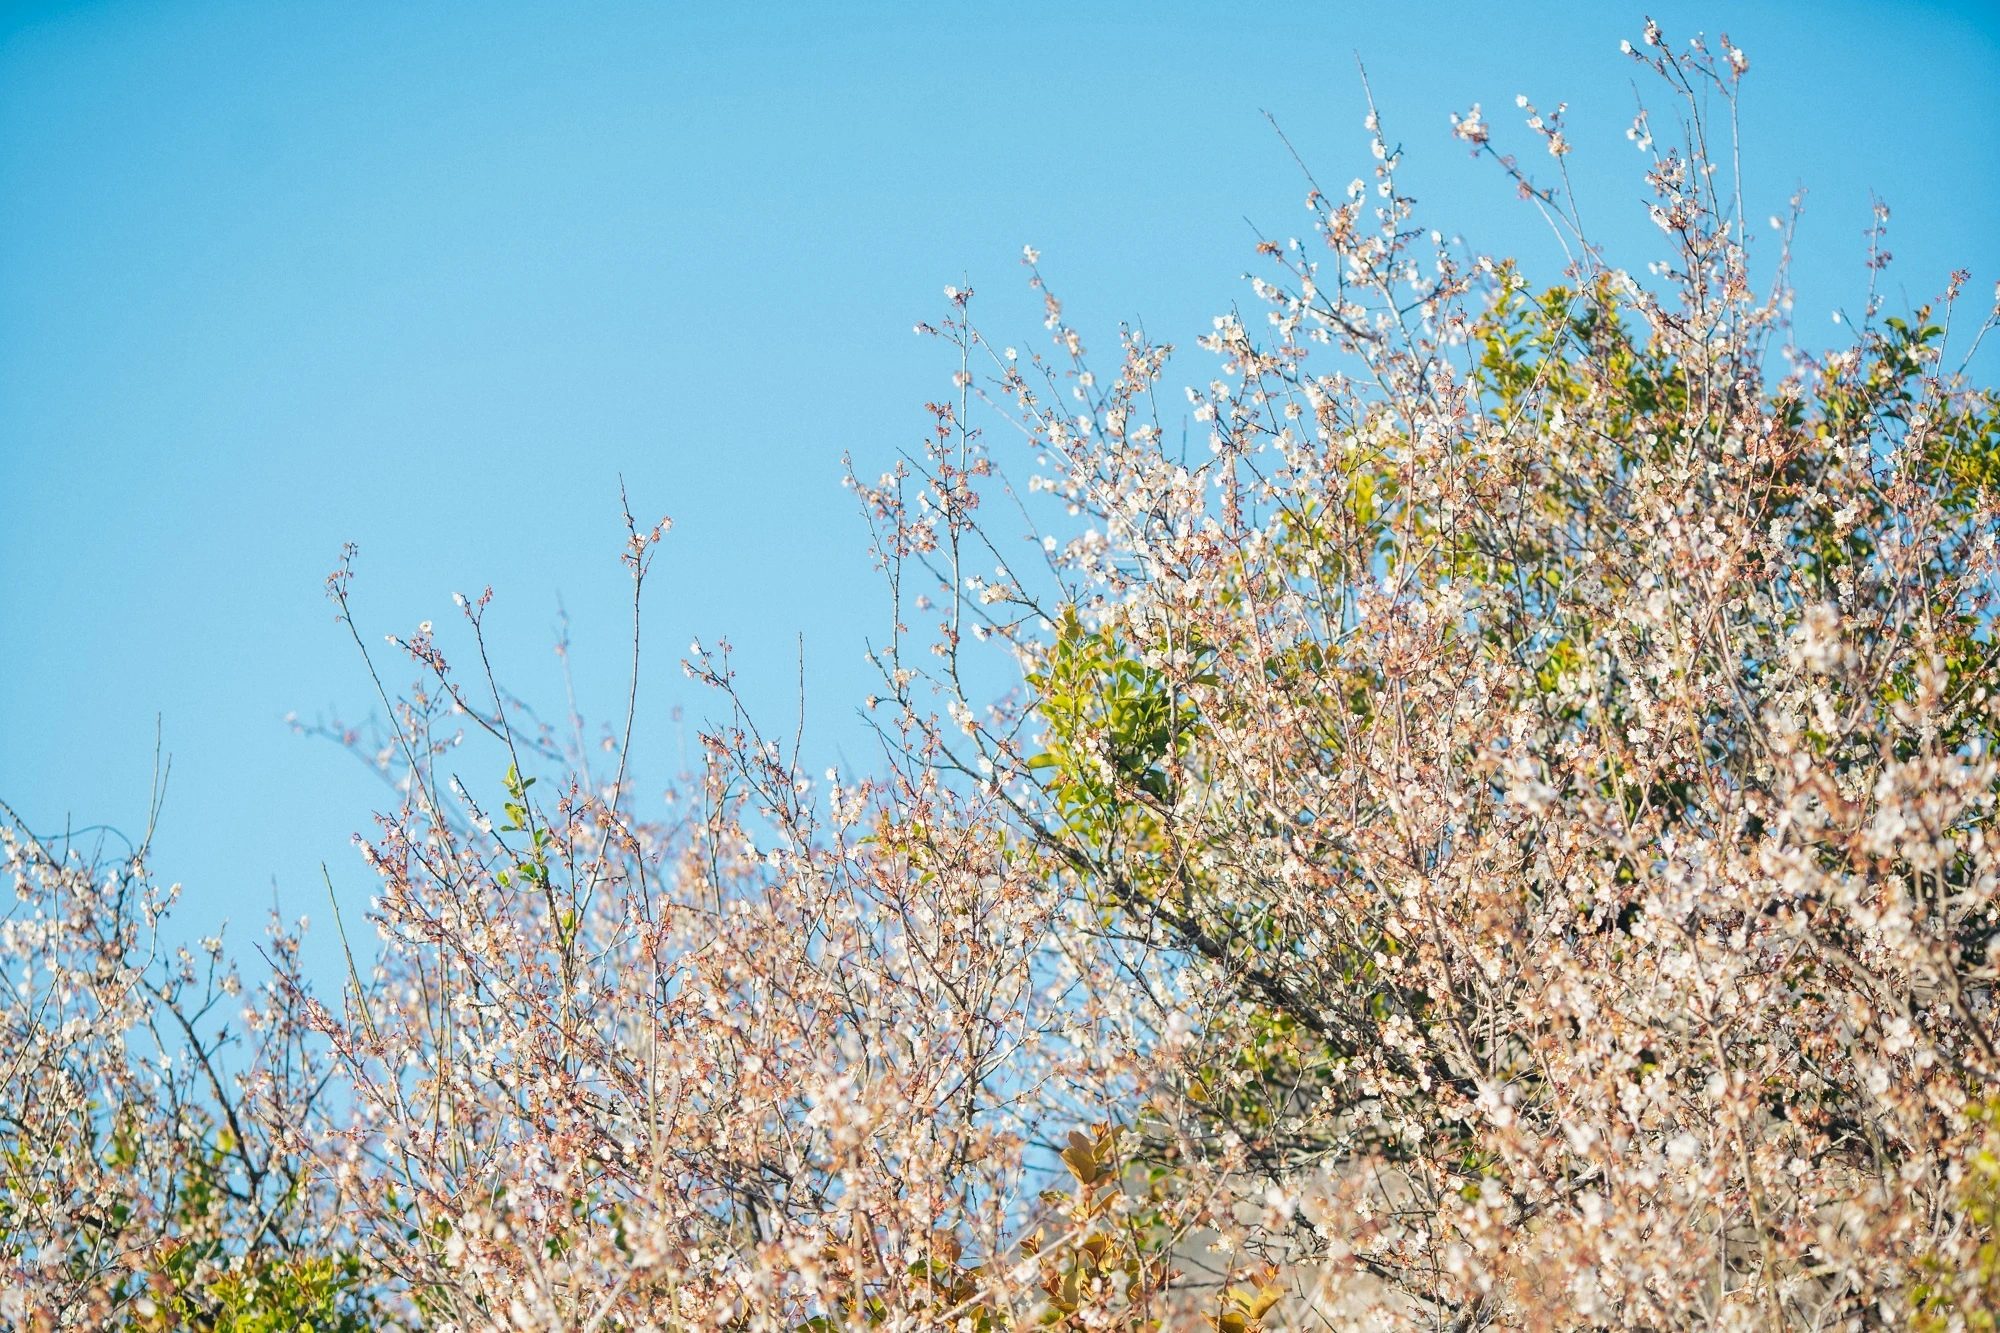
(1497, 832)
(161, 1122)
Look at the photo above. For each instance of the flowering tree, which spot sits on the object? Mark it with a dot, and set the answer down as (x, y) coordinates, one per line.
(1502, 839)
(160, 1122)
(1557, 745)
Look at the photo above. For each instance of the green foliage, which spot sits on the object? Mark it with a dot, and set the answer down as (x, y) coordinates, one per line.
(1960, 1292)
(294, 1294)
(1114, 724)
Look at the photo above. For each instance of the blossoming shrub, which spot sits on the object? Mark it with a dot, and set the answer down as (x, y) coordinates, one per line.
(1554, 727)
(1502, 838)
(158, 1163)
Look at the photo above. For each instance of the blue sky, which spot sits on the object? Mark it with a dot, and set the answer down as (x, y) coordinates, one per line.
(431, 277)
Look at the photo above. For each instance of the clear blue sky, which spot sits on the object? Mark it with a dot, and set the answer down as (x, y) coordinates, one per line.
(429, 277)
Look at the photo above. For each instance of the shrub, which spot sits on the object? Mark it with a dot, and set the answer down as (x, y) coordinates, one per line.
(160, 1122)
